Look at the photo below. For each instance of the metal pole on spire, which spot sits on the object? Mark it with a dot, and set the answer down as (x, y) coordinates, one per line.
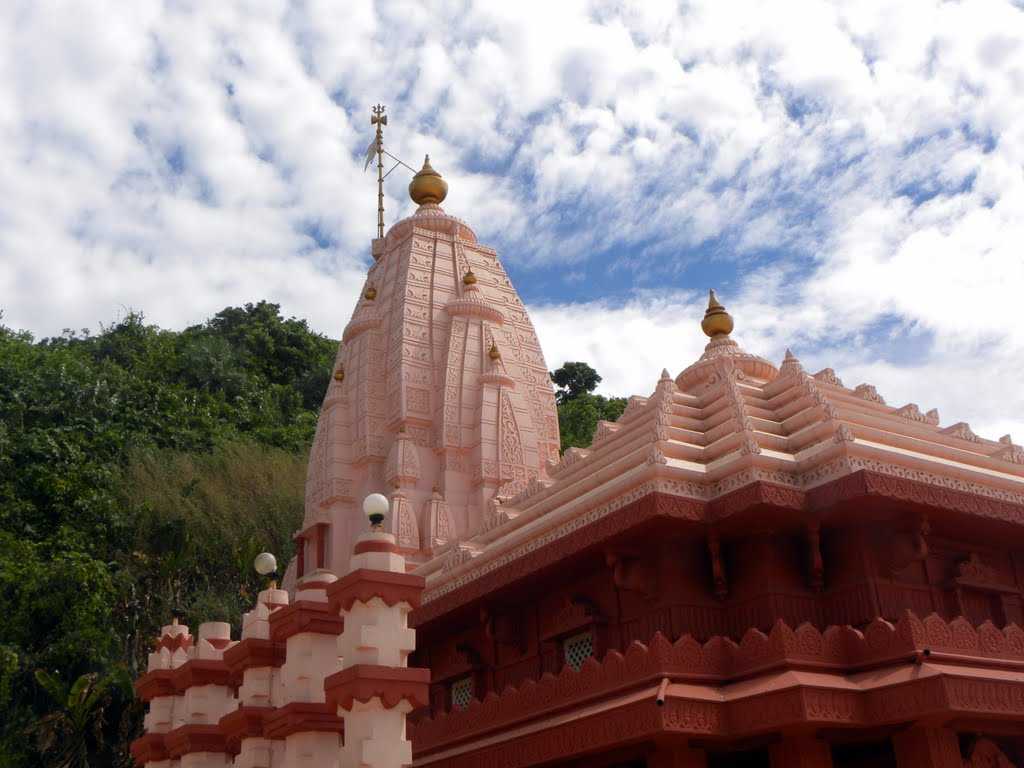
(379, 119)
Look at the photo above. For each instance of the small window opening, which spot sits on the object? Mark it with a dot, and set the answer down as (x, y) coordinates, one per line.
(462, 693)
(578, 649)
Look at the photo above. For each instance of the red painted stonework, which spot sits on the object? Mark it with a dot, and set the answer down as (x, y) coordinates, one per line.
(304, 616)
(298, 717)
(362, 682)
(252, 652)
(787, 607)
(187, 739)
(244, 722)
(149, 748)
(364, 584)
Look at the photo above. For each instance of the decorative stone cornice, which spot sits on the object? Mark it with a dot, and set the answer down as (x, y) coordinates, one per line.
(193, 737)
(365, 585)
(831, 655)
(302, 717)
(243, 723)
(253, 652)
(392, 685)
(304, 616)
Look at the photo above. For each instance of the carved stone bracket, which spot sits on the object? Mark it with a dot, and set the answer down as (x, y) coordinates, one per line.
(906, 547)
(815, 564)
(717, 567)
(505, 628)
(631, 572)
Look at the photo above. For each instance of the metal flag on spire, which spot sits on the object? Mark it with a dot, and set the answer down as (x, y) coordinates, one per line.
(379, 119)
(376, 147)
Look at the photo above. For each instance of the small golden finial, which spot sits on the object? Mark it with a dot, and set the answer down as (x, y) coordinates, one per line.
(427, 186)
(493, 352)
(371, 293)
(716, 322)
(469, 278)
(339, 373)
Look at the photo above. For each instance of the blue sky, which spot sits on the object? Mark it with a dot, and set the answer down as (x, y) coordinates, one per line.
(849, 175)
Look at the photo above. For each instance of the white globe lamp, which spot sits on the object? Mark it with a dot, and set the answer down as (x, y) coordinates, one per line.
(376, 507)
(265, 563)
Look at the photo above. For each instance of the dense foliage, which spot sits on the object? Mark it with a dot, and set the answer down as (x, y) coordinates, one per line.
(141, 470)
(579, 409)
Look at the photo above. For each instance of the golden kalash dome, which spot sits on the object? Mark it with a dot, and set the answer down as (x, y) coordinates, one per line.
(427, 186)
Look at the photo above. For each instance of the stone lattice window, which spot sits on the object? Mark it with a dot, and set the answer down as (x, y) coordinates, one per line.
(462, 693)
(578, 649)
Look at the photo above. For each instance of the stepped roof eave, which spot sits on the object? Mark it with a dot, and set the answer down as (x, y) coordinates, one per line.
(661, 442)
(432, 217)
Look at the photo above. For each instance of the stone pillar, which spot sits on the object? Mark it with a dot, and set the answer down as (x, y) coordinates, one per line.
(206, 696)
(310, 729)
(927, 747)
(677, 756)
(254, 665)
(376, 689)
(156, 688)
(800, 751)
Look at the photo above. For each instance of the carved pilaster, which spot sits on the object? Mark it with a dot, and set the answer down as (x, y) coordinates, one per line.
(677, 756)
(815, 564)
(801, 751)
(921, 747)
(717, 566)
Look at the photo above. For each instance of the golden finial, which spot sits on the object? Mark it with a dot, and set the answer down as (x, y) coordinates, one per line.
(339, 373)
(716, 322)
(493, 352)
(469, 278)
(370, 294)
(427, 186)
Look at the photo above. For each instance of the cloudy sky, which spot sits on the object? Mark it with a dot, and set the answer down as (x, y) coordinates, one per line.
(849, 175)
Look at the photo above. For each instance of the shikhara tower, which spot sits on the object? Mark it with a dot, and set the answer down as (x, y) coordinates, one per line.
(440, 398)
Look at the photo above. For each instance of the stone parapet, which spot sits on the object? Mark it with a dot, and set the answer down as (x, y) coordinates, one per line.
(787, 679)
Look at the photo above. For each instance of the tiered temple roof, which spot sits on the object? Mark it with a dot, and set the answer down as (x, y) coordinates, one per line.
(729, 420)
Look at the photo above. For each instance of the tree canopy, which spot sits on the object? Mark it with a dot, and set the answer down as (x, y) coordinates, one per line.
(140, 470)
(579, 409)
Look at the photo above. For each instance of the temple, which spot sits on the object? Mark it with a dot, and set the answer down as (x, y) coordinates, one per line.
(756, 565)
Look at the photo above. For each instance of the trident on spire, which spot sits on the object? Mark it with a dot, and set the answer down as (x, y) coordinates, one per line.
(379, 119)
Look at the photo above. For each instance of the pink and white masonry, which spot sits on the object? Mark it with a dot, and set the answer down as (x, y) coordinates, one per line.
(441, 398)
(321, 681)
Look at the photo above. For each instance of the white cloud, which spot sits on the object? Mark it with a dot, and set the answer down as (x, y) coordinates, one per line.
(177, 158)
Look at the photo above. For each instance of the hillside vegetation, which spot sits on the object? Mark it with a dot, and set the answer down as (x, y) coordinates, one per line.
(141, 470)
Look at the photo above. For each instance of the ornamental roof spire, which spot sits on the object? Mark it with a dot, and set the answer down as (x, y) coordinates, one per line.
(427, 186)
(716, 322)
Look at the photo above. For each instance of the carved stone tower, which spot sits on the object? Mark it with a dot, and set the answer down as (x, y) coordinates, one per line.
(440, 397)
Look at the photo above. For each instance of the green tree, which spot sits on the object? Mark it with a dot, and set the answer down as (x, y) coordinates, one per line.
(72, 735)
(140, 469)
(574, 379)
(579, 409)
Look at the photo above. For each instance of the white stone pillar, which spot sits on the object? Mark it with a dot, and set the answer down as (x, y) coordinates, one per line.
(255, 666)
(156, 688)
(376, 689)
(206, 696)
(309, 727)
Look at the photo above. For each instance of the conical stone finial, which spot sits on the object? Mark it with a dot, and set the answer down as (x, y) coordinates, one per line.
(427, 186)
(790, 364)
(716, 322)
